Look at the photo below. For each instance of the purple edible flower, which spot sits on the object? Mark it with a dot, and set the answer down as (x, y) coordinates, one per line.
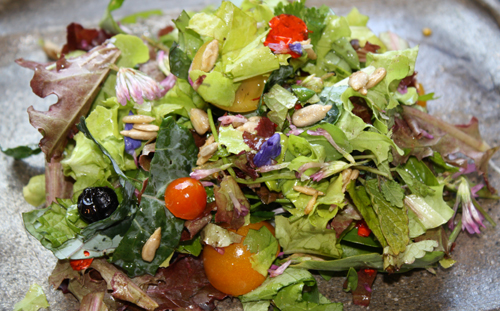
(268, 151)
(135, 84)
(295, 47)
(471, 218)
(168, 83)
(274, 271)
(236, 120)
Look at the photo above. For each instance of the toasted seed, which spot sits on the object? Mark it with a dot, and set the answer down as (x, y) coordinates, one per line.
(208, 150)
(377, 76)
(147, 127)
(209, 56)
(140, 135)
(348, 175)
(52, 50)
(307, 190)
(310, 114)
(358, 81)
(138, 119)
(204, 159)
(310, 204)
(427, 31)
(249, 126)
(199, 118)
(151, 245)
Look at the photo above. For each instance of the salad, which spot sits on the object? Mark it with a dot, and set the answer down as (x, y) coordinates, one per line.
(240, 150)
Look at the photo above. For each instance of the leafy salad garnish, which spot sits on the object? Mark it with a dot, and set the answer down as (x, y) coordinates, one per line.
(307, 133)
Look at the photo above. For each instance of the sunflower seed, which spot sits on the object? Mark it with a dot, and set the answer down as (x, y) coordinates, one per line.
(147, 127)
(151, 245)
(138, 119)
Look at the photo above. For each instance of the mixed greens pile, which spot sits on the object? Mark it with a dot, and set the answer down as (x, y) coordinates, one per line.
(354, 177)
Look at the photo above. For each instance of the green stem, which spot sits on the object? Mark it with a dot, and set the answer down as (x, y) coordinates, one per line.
(212, 125)
(255, 197)
(454, 233)
(155, 44)
(482, 211)
(364, 156)
(371, 170)
(285, 175)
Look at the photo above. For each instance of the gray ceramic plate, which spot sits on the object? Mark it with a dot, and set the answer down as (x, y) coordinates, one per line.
(460, 62)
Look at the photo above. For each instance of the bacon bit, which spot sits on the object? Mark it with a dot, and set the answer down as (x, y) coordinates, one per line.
(363, 229)
(81, 264)
(165, 31)
(297, 106)
(266, 127)
(86, 253)
(286, 29)
(370, 272)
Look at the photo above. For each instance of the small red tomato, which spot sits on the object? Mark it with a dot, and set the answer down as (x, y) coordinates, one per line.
(185, 198)
(80, 264)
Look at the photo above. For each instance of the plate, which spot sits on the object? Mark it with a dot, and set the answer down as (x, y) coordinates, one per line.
(460, 62)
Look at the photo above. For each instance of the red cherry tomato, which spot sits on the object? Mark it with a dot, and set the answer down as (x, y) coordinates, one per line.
(286, 29)
(80, 264)
(185, 198)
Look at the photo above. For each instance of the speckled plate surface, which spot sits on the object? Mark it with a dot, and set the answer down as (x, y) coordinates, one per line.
(460, 62)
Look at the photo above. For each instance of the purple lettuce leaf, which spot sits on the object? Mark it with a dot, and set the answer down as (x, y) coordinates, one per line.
(85, 39)
(423, 130)
(184, 286)
(76, 86)
(232, 205)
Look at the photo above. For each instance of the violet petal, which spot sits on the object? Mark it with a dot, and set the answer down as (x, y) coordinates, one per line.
(268, 151)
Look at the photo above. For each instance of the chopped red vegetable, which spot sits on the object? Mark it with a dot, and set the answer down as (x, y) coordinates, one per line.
(286, 29)
(363, 229)
(80, 264)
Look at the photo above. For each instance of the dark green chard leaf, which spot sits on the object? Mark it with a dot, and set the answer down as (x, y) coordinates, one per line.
(189, 40)
(393, 221)
(174, 156)
(22, 152)
(179, 62)
(419, 171)
(333, 96)
(362, 201)
(302, 93)
(278, 77)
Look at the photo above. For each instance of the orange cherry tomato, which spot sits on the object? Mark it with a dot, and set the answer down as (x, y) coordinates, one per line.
(186, 198)
(232, 272)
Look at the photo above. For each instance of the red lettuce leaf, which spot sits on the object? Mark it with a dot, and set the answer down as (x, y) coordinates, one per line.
(253, 141)
(266, 127)
(79, 38)
(362, 294)
(184, 286)
(194, 226)
(56, 184)
(232, 205)
(76, 86)
(267, 196)
(244, 162)
(421, 131)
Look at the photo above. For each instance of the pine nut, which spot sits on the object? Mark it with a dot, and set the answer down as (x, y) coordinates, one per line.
(208, 150)
(310, 115)
(377, 76)
(307, 190)
(139, 135)
(138, 119)
(210, 56)
(151, 245)
(358, 81)
(147, 127)
(199, 119)
(310, 204)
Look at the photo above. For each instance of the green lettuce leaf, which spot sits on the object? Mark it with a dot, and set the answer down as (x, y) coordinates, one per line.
(189, 41)
(379, 144)
(352, 280)
(355, 18)
(241, 27)
(262, 305)
(34, 300)
(34, 191)
(217, 236)
(132, 48)
(279, 101)
(264, 247)
(179, 100)
(232, 139)
(272, 286)
(294, 298)
(215, 88)
(302, 237)
(107, 22)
